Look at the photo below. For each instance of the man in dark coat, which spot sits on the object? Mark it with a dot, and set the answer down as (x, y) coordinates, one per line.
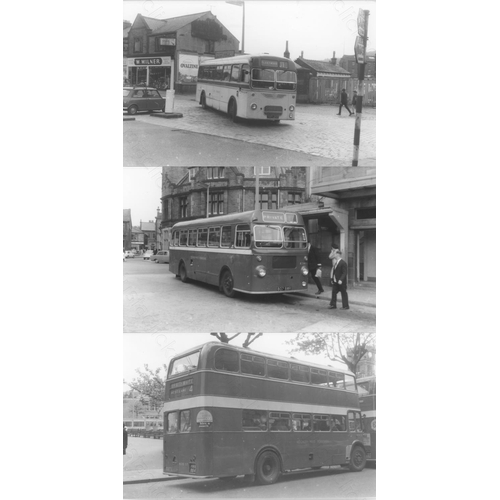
(343, 102)
(125, 440)
(313, 264)
(339, 280)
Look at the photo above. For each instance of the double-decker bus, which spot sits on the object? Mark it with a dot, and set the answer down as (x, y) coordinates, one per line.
(232, 411)
(256, 87)
(367, 401)
(257, 252)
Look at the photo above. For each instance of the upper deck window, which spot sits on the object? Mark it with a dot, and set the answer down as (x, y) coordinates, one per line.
(299, 373)
(268, 236)
(227, 360)
(277, 369)
(184, 364)
(350, 383)
(319, 377)
(336, 380)
(253, 365)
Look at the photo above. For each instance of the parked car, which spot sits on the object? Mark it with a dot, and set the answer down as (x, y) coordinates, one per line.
(162, 257)
(128, 254)
(142, 99)
(148, 255)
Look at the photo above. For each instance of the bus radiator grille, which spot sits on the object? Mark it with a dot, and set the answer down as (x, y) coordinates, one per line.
(284, 262)
(273, 109)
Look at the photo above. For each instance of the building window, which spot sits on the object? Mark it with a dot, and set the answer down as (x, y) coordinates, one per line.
(137, 45)
(294, 198)
(192, 173)
(216, 204)
(366, 213)
(183, 207)
(269, 200)
(262, 171)
(210, 46)
(215, 172)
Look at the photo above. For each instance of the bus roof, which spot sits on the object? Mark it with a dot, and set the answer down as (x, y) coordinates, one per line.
(247, 350)
(246, 58)
(240, 217)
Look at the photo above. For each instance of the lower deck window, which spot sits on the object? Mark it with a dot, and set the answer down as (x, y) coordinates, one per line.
(321, 423)
(301, 422)
(254, 420)
(338, 423)
(279, 421)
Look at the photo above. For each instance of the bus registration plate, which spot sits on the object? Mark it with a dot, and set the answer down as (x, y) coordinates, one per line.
(283, 288)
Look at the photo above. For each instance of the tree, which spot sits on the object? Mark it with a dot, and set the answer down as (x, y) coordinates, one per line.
(150, 384)
(225, 339)
(347, 347)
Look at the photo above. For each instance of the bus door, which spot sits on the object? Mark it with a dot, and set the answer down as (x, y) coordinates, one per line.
(198, 260)
(354, 427)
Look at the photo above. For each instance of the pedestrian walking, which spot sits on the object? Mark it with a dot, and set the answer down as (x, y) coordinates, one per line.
(354, 100)
(314, 267)
(125, 440)
(343, 102)
(338, 279)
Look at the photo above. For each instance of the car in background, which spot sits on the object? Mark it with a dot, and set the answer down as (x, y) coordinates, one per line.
(137, 99)
(128, 254)
(162, 257)
(147, 255)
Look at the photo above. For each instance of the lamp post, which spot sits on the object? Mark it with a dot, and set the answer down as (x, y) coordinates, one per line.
(240, 3)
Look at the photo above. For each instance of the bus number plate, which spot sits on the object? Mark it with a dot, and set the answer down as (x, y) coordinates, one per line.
(283, 288)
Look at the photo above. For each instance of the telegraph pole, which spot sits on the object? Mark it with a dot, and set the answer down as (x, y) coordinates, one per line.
(257, 200)
(360, 52)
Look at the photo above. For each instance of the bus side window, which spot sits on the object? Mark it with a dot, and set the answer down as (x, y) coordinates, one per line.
(254, 420)
(338, 423)
(277, 369)
(227, 360)
(175, 239)
(299, 373)
(279, 421)
(173, 422)
(243, 238)
(253, 365)
(321, 423)
(227, 72)
(218, 73)
(319, 377)
(226, 236)
(192, 238)
(214, 237)
(301, 422)
(202, 237)
(235, 73)
(245, 73)
(183, 238)
(336, 380)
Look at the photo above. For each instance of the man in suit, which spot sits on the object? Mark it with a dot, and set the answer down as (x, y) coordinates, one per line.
(313, 264)
(343, 102)
(339, 280)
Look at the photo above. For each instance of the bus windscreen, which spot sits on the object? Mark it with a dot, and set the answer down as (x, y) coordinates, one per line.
(268, 236)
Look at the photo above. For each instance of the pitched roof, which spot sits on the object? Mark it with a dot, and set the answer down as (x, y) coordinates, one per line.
(321, 66)
(172, 24)
(125, 32)
(148, 226)
(127, 216)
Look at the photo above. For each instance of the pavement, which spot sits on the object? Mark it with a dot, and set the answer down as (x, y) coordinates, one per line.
(358, 295)
(316, 130)
(146, 476)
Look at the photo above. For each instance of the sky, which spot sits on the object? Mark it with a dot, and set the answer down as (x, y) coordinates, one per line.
(315, 27)
(142, 192)
(156, 349)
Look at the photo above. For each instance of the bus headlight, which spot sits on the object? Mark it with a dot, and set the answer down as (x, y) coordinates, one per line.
(253, 106)
(304, 283)
(261, 271)
(259, 258)
(290, 115)
(292, 108)
(304, 270)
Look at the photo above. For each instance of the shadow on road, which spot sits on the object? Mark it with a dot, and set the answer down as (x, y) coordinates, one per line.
(216, 485)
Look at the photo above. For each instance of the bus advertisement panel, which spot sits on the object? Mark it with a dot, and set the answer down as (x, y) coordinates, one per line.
(232, 411)
(254, 87)
(256, 252)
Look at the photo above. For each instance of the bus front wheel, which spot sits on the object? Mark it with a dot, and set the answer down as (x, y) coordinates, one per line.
(268, 468)
(227, 283)
(183, 273)
(358, 459)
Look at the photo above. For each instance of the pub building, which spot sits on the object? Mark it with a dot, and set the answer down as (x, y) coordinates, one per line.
(165, 53)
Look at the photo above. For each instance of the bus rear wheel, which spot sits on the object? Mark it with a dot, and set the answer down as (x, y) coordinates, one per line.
(183, 273)
(268, 468)
(358, 459)
(227, 283)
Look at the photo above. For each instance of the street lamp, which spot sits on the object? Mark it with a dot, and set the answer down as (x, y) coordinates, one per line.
(240, 3)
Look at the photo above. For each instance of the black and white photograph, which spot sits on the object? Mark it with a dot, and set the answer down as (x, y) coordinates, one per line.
(238, 83)
(249, 415)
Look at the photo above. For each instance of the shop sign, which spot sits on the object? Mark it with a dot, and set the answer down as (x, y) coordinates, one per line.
(150, 61)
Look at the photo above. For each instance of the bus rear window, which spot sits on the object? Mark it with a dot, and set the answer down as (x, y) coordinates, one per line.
(243, 236)
(294, 237)
(253, 365)
(268, 236)
(227, 360)
(185, 364)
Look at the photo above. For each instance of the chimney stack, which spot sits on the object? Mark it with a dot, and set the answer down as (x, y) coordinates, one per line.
(286, 53)
(302, 54)
(334, 59)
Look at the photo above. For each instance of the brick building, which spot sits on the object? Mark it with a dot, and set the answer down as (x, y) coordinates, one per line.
(165, 53)
(211, 191)
(370, 82)
(148, 229)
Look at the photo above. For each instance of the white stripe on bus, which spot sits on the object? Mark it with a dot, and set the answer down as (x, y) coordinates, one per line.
(235, 251)
(368, 414)
(251, 404)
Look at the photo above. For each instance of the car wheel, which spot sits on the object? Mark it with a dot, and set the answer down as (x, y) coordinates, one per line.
(358, 459)
(233, 110)
(183, 273)
(132, 110)
(227, 284)
(267, 470)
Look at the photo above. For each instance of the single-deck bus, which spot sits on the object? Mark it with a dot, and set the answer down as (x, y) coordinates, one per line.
(261, 87)
(367, 401)
(232, 411)
(255, 252)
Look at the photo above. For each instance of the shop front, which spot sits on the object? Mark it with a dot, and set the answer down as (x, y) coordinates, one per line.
(151, 71)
